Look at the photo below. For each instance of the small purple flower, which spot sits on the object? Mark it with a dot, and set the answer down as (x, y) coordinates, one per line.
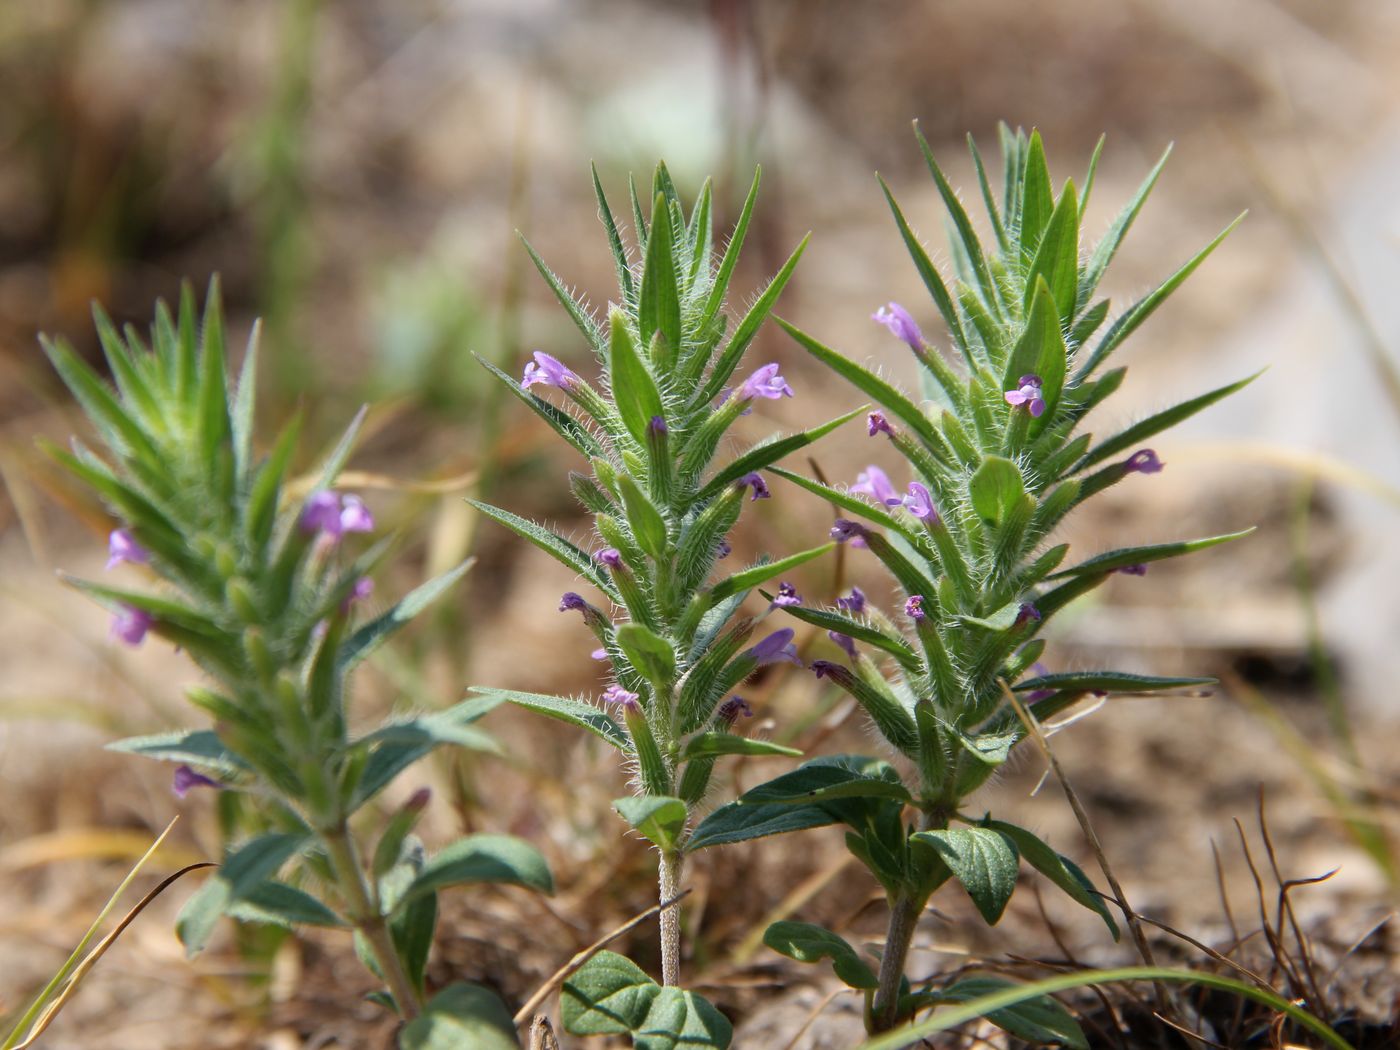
(598, 654)
(1143, 461)
(610, 556)
(363, 588)
(914, 607)
(876, 423)
(354, 515)
(852, 603)
(186, 778)
(1028, 392)
(615, 694)
(845, 641)
(1026, 614)
(656, 426)
(760, 487)
(122, 546)
(725, 550)
(322, 514)
(730, 711)
(920, 504)
(1132, 570)
(875, 483)
(777, 646)
(842, 530)
(130, 624)
(901, 325)
(787, 596)
(765, 382)
(572, 602)
(826, 669)
(547, 370)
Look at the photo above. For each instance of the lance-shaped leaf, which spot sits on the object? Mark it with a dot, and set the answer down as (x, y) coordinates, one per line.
(1108, 244)
(1036, 195)
(1040, 351)
(452, 726)
(648, 526)
(574, 712)
(996, 489)
(710, 676)
(373, 634)
(1107, 682)
(763, 455)
(731, 254)
(812, 784)
(572, 307)
(967, 237)
(245, 869)
(1110, 560)
(658, 305)
(1041, 1021)
(634, 390)
(736, 823)
(461, 1015)
(623, 271)
(715, 743)
(847, 501)
(933, 281)
(1060, 870)
(660, 818)
(867, 382)
(278, 904)
(650, 654)
(756, 574)
(1141, 310)
(810, 943)
(1057, 257)
(993, 213)
(121, 433)
(563, 424)
(556, 546)
(857, 630)
(983, 860)
(1159, 422)
(611, 995)
(482, 858)
(198, 747)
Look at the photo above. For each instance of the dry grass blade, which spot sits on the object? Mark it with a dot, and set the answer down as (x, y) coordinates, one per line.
(527, 1012)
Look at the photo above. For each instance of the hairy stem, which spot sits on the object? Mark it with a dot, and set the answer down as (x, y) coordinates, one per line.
(364, 913)
(904, 917)
(672, 862)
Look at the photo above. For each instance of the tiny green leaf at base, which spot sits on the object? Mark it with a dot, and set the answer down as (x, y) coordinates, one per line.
(461, 1016)
(809, 943)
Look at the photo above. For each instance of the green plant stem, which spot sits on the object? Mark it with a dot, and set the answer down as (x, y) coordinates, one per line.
(364, 913)
(904, 918)
(672, 863)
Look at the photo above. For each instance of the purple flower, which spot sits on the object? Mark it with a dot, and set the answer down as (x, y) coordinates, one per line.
(656, 426)
(876, 423)
(615, 694)
(760, 487)
(901, 325)
(765, 382)
(186, 778)
(1143, 461)
(354, 515)
(777, 646)
(1132, 570)
(920, 504)
(725, 550)
(130, 624)
(875, 483)
(1028, 393)
(787, 596)
(1026, 614)
(598, 654)
(547, 370)
(854, 602)
(122, 546)
(363, 588)
(914, 607)
(610, 556)
(731, 709)
(826, 669)
(845, 641)
(843, 530)
(572, 601)
(322, 513)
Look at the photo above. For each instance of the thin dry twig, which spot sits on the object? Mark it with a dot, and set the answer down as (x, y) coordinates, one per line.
(526, 1012)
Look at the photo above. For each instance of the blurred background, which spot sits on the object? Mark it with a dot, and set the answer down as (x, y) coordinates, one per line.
(356, 173)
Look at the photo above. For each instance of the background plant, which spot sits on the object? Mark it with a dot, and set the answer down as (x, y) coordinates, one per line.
(263, 595)
(950, 683)
(662, 510)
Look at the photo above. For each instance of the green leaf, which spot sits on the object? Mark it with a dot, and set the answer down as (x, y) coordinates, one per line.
(282, 905)
(736, 823)
(1108, 244)
(650, 654)
(461, 1016)
(576, 312)
(575, 712)
(995, 489)
(1141, 310)
(731, 254)
(452, 726)
(198, 747)
(1039, 1020)
(624, 273)
(774, 792)
(1057, 258)
(648, 526)
(971, 246)
(1117, 559)
(373, 634)
(334, 463)
(563, 424)
(809, 943)
(933, 281)
(611, 995)
(660, 818)
(556, 546)
(762, 456)
(1155, 424)
(499, 859)
(1037, 196)
(717, 743)
(855, 504)
(1060, 870)
(756, 574)
(634, 389)
(1107, 681)
(1040, 351)
(245, 869)
(659, 306)
(1001, 620)
(857, 630)
(983, 860)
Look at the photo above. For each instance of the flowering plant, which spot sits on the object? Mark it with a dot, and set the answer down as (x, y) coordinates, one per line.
(662, 512)
(953, 683)
(263, 595)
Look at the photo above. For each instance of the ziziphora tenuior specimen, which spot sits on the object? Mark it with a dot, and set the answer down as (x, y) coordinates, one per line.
(670, 389)
(263, 595)
(998, 456)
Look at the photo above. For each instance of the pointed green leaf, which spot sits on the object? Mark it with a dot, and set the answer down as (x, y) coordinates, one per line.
(764, 455)
(1155, 424)
(563, 424)
(756, 574)
(497, 859)
(610, 995)
(375, 633)
(1037, 196)
(984, 861)
(1107, 681)
(995, 489)
(1118, 559)
(736, 823)
(1060, 870)
(659, 306)
(245, 869)
(731, 254)
(556, 546)
(1057, 257)
(198, 747)
(1040, 351)
(659, 818)
(651, 655)
(967, 237)
(624, 274)
(933, 281)
(715, 743)
(856, 630)
(634, 390)
(1108, 245)
(809, 943)
(572, 307)
(278, 904)
(575, 712)
(855, 504)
